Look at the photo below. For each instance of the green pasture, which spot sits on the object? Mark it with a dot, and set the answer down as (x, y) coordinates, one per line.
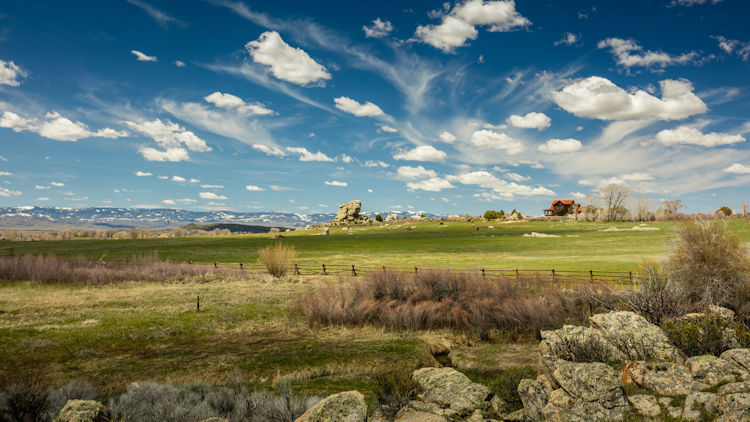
(581, 246)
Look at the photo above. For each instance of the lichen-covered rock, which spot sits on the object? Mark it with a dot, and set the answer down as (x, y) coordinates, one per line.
(557, 343)
(734, 387)
(726, 314)
(665, 378)
(348, 406)
(645, 405)
(84, 411)
(738, 357)
(637, 338)
(710, 370)
(215, 420)
(697, 404)
(672, 406)
(592, 382)
(734, 407)
(450, 388)
(417, 416)
(562, 407)
(534, 396)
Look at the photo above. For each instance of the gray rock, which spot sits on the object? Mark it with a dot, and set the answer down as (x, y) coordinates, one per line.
(420, 417)
(697, 403)
(665, 378)
(348, 406)
(669, 409)
(450, 388)
(348, 211)
(534, 396)
(734, 407)
(637, 338)
(84, 411)
(556, 341)
(645, 405)
(738, 357)
(215, 420)
(562, 407)
(517, 416)
(734, 387)
(710, 370)
(391, 218)
(591, 382)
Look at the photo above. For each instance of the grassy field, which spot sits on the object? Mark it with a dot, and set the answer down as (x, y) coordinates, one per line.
(581, 246)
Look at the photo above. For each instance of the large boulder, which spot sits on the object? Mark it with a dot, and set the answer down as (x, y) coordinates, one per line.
(84, 411)
(566, 342)
(450, 388)
(391, 218)
(663, 378)
(348, 211)
(645, 405)
(637, 338)
(697, 404)
(738, 357)
(348, 406)
(709, 370)
(591, 382)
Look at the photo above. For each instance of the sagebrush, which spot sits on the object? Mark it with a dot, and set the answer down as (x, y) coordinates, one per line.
(277, 259)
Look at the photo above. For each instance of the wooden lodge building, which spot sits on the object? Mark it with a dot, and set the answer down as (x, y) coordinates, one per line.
(563, 207)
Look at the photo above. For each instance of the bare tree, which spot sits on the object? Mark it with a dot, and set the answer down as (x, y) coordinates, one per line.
(670, 208)
(614, 196)
(744, 209)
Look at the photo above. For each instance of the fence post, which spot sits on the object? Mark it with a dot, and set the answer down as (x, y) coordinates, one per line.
(553, 275)
(296, 269)
(324, 270)
(241, 267)
(214, 265)
(415, 270)
(591, 273)
(354, 271)
(198, 304)
(483, 273)
(630, 276)
(517, 277)
(383, 268)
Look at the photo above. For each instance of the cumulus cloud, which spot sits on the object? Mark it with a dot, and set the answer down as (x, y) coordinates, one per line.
(487, 139)
(578, 195)
(171, 137)
(459, 25)
(276, 151)
(306, 155)
(286, 62)
(447, 137)
(232, 102)
(530, 121)
(6, 173)
(168, 202)
(7, 192)
(560, 146)
(336, 183)
(10, 73)
(378, 29)
(599, 98)
(517, 177)
(568, 38)
(421, 153)
(499, 189)
(142, 173)
(738, 168)
(346, 159)
(351, 106)
(211, 195)
(179, 63)
(56, 127)
(386, 128)
(419, 172)
(253, 188)
(434, 184)
(57, 184)
(686, 135)
(143, 57)
(628, 53)
(178, 179)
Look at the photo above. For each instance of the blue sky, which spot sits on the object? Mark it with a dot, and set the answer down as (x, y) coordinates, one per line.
(446, 107)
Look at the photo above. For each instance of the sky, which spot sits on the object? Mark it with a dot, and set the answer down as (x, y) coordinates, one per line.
(298, 106)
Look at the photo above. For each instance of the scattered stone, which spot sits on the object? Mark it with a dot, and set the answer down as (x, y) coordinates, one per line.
(636, 337)
(673, 410)
(348, 406)
(534, 396)
(710, 370)
(535, 234)
(84, 411)
(326, 231)
(450, 388)
(665, 378)
(420, 417)
(645, 405)
(697, 403)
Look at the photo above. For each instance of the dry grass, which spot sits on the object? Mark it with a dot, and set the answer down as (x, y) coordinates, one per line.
(83, 271)
(444, 299)
(277, 258)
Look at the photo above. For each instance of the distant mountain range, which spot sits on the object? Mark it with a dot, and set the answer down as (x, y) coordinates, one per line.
(55, 218)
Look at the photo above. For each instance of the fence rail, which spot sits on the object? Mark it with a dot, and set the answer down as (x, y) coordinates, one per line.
(354, 270)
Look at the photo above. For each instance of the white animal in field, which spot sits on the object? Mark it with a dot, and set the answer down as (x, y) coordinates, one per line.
(491, 227)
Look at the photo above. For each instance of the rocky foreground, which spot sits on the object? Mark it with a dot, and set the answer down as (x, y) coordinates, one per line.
(640, 376)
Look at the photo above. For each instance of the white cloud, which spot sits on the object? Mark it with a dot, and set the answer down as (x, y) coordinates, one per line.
(738, 168)
(56, 127)
(578, 195)
(142, 173)
(42, 198)
(568, 38)
(741, 49)
(691, 136)
(336, 183)
(41, 187)
(636, 177)
(143, 57)
(351, 106)
(6, 173)
(253, 188)
(286, 62)
(597, 97)
(500, 189)
(13, 121)
(10, 73)
(459, 25)
(378, 29)
(487, 139)
(194, 180)
(179, 63)
(368, 190)
(211, 195)
(532, 163)
(628, 54)
(421, 153)
(277, 188)
(178, 179)
(187, 200)
(159, 16)
(435, 184)
(7, 192)
(306, 155)
(419, 172)
(530, 121)
(517, 177)
(560, 146)
(346, 159)
(57, 184)
(232, 102)
(371, 163)
(170, 154)
(212, 186)
(168, 202)
(447, 137)
(689, 3)
(386, 128)
(269, 150)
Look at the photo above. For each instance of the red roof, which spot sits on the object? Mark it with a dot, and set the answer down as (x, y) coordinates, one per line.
(563, 201)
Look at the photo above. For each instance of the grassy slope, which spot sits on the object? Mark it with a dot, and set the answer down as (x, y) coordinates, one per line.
(458, 245)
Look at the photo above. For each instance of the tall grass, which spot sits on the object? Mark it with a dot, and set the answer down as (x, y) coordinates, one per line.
(71, 271)
(277, 259)
(445, 299)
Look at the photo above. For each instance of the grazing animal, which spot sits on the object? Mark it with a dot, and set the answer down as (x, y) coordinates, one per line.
(491, 227)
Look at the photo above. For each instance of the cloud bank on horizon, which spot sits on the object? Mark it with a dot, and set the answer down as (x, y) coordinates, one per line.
(455, 107)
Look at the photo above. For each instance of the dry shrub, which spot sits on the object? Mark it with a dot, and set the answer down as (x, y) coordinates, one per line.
(394, 389)
(655, 295)
(277, 258)
(444, 299)
(79, 270)
(712, 265)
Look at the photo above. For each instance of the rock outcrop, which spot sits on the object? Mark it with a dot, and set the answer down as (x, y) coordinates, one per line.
(84, 411)
(348, 406)
(348, 213)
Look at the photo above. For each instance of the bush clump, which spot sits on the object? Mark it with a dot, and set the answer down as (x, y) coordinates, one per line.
(277, 259)
(394, 389)
(655, 294)
(583, 349)
(705, 334)
(503, 383)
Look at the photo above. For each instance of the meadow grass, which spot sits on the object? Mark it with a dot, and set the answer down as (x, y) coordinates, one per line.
(458, 245)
